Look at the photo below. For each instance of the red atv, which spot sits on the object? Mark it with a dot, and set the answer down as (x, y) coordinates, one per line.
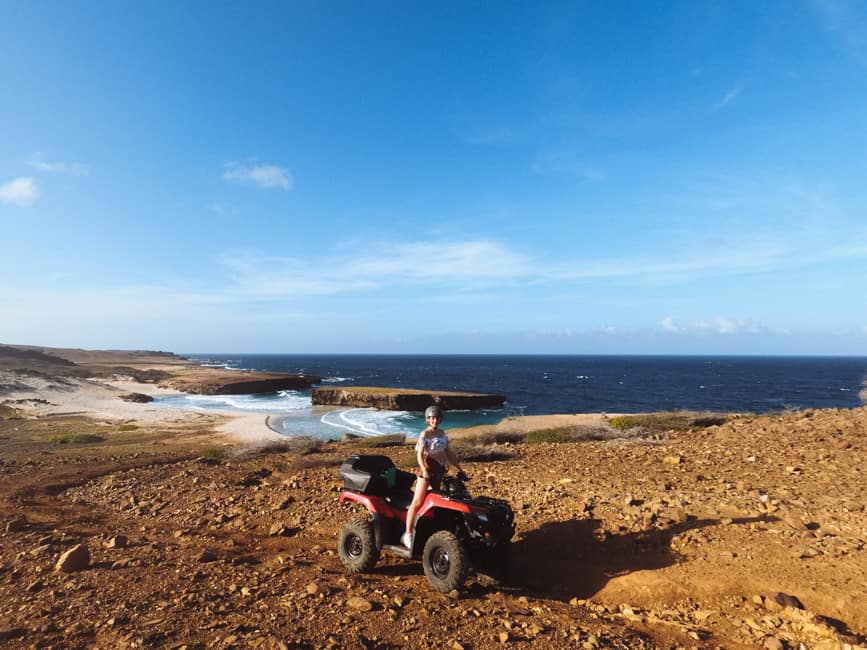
(453, 531)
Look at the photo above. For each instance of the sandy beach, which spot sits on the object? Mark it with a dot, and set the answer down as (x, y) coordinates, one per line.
(101, 399)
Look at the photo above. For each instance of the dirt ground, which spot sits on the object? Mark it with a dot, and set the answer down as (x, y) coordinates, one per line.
(746, 534)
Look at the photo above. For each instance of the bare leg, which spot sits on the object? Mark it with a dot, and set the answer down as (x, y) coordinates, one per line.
(421, 486)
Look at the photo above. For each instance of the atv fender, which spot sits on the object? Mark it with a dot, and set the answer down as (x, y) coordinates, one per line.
(434, 500)
(379, 510)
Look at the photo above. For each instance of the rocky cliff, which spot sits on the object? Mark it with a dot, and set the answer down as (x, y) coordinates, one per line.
(211, 381)
(404, 399)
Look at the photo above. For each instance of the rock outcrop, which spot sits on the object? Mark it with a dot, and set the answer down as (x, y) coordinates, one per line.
(404, 399)
(137, 398)
(210, 381)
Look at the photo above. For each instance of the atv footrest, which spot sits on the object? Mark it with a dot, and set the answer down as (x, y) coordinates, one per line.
(398, 549)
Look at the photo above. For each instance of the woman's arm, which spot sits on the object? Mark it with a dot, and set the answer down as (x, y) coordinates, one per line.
(421, 456)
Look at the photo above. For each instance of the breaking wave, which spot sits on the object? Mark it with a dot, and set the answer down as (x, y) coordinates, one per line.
(282, 401)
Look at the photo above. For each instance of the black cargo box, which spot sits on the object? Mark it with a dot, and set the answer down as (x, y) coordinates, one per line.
(363, 473)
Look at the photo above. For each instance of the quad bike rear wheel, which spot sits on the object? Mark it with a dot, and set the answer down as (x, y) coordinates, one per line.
(356, 545)
(445, 561)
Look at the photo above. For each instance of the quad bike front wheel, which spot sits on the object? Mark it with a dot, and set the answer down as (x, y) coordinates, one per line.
(445, 561)
(356, 545)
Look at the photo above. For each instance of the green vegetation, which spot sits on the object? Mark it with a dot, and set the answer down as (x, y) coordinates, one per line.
(74, 438)
(127, 427)
(666, 421)
(557, 434)
(214, 453)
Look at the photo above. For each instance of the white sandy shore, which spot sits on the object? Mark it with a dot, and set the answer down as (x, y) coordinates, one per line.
(100, 399)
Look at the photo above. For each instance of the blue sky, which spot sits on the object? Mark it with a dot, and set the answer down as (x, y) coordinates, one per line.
(570, 177)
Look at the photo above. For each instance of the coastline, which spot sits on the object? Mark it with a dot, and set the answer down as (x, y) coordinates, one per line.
(101, 400)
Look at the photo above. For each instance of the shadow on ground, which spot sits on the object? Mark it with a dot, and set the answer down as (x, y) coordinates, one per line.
(568, 559)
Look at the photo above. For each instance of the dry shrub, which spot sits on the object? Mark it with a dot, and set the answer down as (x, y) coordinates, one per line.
(301, 445)
(483, 453)
(502, 437)
(378, 442)
(581, 432)
(604, 431)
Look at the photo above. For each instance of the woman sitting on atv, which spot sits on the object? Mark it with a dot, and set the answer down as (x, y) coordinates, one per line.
(434, 458)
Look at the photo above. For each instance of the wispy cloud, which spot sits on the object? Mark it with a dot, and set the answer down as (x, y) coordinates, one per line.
(846, 19)
(465, 261)
(21, 191)
(467, 264)
(551, 162)
(479, 265)
(728, 98)
(268, 276)
(265, 176)
(37, 161)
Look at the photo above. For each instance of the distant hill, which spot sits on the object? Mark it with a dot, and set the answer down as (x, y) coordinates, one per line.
(144, 365)
(27, 357)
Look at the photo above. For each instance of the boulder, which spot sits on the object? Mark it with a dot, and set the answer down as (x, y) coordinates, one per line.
(137, 398)
(75, 559)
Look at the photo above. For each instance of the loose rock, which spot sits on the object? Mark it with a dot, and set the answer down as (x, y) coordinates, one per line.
(75, 559)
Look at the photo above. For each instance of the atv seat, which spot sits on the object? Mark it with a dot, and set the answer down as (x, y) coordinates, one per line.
(400, 496)
(377, 475)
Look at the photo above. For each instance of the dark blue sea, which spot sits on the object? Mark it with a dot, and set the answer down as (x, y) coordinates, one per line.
(537, 385)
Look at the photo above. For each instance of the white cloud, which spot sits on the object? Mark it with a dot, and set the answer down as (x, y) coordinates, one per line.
(37, 161)
(474, 265)
(265, 176)
(20, 191)
(719, 325)
(729, 97)
(668, 325)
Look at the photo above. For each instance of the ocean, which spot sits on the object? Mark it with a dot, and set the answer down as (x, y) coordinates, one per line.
(538, 385)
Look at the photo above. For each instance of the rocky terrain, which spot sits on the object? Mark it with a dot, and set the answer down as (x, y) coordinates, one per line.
(749, 533)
